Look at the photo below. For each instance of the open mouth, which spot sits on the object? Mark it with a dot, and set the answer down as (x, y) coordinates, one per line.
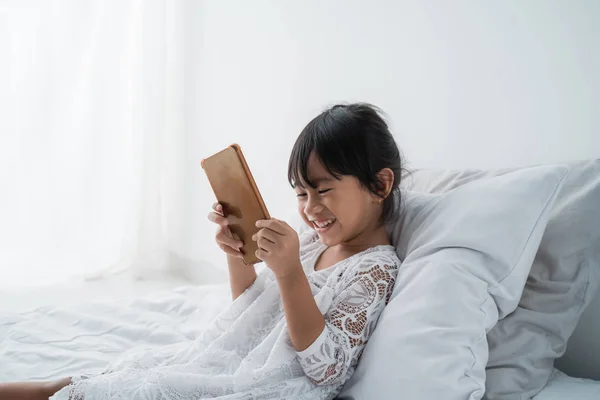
(323, 226)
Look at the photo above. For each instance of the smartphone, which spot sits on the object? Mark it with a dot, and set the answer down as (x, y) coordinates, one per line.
(236, 190)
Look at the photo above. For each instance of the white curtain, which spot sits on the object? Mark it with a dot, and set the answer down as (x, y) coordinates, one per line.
(90, 137)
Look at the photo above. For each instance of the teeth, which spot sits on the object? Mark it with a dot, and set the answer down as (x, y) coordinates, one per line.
(323, 224)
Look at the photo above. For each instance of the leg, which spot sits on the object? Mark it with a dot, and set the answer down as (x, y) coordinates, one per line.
(31, 390)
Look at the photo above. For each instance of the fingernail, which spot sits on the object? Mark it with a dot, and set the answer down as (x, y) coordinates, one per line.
(240, 244)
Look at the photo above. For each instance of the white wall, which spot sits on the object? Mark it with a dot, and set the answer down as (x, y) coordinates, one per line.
(465, 83)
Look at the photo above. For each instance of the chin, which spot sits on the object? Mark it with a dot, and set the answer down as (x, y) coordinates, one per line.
(327, 240)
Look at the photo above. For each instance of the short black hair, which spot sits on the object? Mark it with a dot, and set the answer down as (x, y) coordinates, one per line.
(350, 139)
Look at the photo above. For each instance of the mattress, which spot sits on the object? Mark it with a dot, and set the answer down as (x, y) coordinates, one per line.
(53, 342)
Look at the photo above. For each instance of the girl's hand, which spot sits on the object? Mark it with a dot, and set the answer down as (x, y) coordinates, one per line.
(225, 240)
(279, 246)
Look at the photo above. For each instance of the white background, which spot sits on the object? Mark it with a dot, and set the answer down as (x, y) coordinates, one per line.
(107, 108)
(465, 84)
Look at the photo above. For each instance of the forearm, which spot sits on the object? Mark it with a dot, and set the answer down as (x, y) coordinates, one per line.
(241, 276)
(304, 319)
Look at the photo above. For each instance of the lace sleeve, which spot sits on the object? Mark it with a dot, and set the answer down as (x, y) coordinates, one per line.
(349, 323)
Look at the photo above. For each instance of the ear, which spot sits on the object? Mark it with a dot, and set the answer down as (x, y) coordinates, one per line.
(386, 182)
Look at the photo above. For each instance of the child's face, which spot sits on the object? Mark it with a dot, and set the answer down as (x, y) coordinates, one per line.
(341, 211)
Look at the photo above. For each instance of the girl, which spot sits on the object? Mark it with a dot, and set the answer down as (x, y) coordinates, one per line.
(297, 330)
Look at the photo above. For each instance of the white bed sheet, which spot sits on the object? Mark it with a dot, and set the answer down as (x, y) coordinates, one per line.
(57, 341)
(563, 387)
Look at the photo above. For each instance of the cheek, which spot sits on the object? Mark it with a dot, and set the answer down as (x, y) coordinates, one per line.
(343, 211)
(301, 212)
(353, 213)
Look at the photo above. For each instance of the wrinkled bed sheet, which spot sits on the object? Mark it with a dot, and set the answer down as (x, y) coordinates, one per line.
(53, 342)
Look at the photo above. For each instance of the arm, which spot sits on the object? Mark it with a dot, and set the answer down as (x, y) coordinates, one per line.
(304, 319)
(349, 323)
(328, 347)
(241, 276)
(279, 248)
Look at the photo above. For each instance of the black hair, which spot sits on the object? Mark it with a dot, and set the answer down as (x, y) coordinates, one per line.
(350, 139)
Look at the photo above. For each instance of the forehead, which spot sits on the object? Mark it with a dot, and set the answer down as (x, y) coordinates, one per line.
(314, 174)
(318, 174)
(315, 168)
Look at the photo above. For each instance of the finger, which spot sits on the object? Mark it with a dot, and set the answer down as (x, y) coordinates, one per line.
(261, 254)
(218, 219)
(230, 251)
(218, 208)
(227, 240)
(265, 244)
(267, 234)
(281, 223)
(273, 224)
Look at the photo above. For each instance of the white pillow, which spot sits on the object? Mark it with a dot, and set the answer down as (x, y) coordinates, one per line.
(467, 254)
(563, 283)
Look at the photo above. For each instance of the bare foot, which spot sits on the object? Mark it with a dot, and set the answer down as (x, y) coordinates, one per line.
(31, 390)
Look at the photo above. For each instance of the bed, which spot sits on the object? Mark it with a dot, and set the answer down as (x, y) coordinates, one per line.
(56, 341)
(82, 337)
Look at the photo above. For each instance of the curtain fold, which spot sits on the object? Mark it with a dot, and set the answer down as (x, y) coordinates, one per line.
(91, 130)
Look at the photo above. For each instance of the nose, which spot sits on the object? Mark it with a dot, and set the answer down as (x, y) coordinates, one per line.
(312, 206)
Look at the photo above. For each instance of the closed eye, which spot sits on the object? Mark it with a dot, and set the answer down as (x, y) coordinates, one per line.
(323, 191)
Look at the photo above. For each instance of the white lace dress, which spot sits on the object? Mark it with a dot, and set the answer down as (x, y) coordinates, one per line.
(246, 352)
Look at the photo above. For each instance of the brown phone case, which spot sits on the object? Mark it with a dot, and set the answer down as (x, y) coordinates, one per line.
(236, 190)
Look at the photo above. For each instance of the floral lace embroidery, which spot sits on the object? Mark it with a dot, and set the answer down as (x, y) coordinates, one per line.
(349, 323)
